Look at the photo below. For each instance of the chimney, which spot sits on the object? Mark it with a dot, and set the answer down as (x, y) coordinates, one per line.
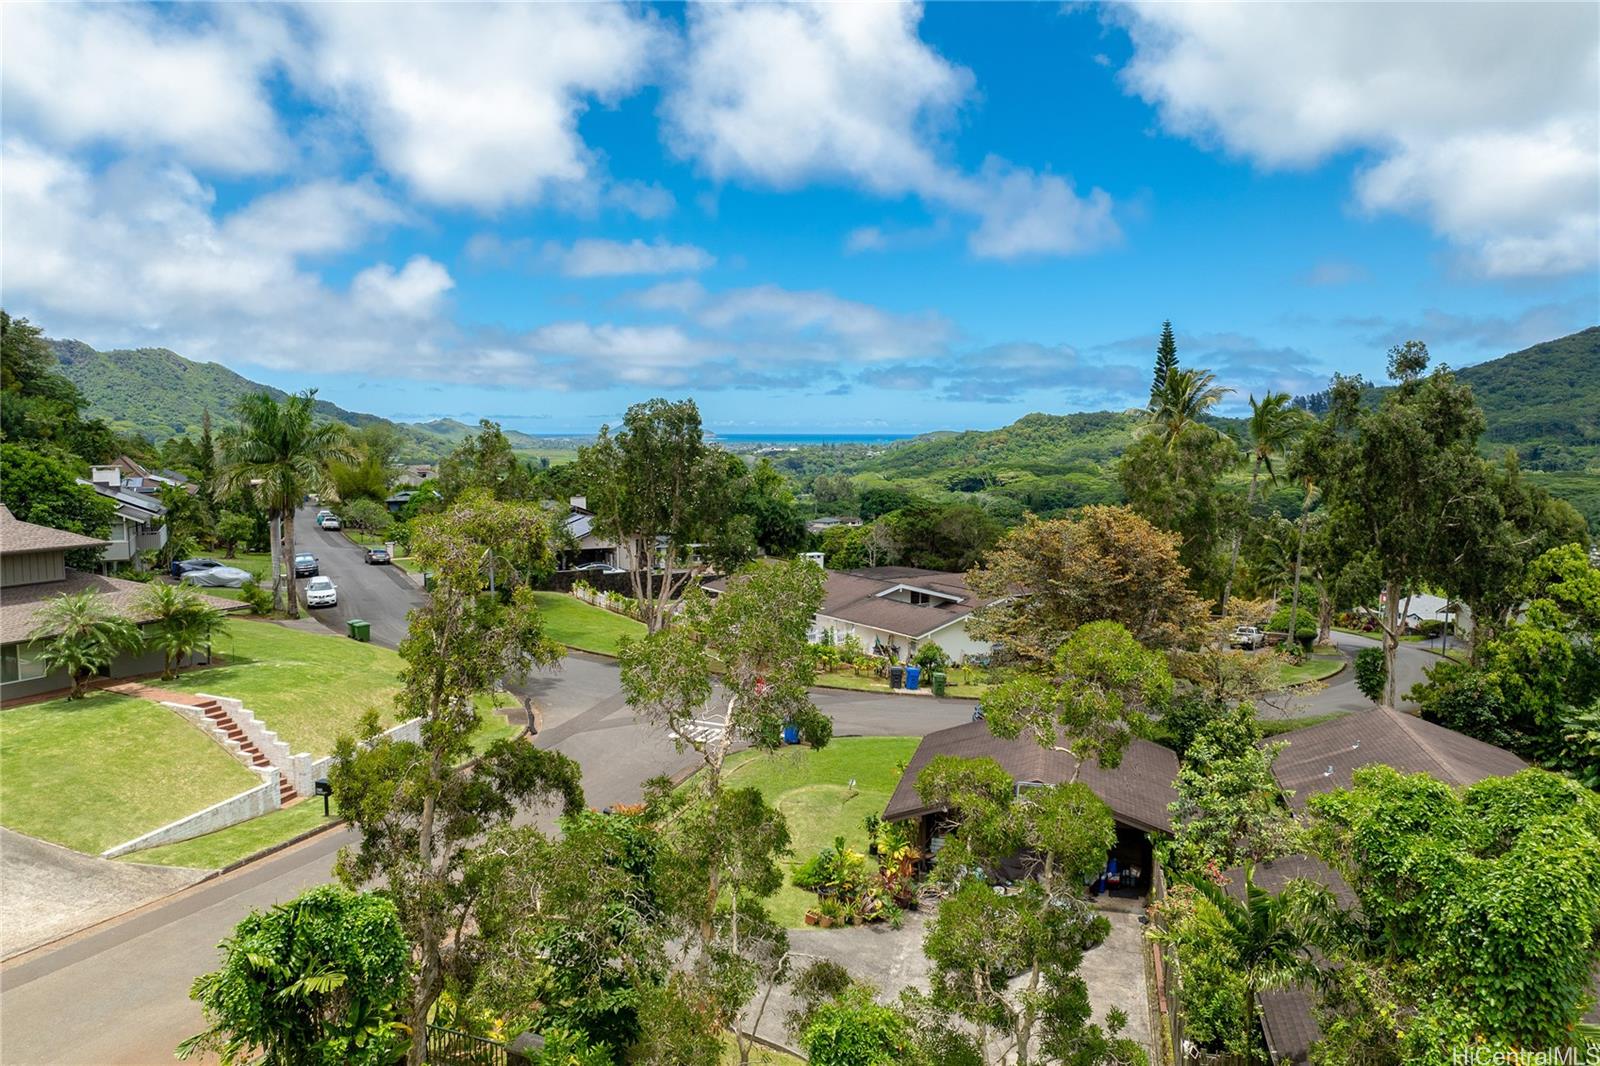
(579, 503)
(109, 476)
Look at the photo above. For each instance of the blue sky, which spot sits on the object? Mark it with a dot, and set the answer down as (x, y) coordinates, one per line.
(809, 218)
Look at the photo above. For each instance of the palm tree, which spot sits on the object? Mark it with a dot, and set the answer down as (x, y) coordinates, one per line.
(181, 622)
(1300, 548)
(1265, 933)
(282, 448)
(1184, 396)
(1274, 424)
(81, 634)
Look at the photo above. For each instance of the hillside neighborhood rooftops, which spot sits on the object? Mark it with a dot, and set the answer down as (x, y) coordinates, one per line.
(1138, 790)
(1323, 757)
(22, 602)
(21, 538)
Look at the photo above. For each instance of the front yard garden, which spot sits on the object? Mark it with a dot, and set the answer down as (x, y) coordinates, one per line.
(307, 687)
(824, 795)
(570, 621)
(95, 772)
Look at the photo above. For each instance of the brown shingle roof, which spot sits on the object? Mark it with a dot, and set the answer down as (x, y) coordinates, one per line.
(19, 605)
(1137, 791)
(21, 538)
(1321, 758)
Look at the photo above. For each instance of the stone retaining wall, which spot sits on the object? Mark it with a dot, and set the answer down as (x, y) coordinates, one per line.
(304, 770)
(246, 805)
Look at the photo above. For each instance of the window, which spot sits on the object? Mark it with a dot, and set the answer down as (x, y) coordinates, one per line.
(921, 599)
(119, 531)
(16, 666)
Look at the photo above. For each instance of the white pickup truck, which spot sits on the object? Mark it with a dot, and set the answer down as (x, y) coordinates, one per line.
(1251, 637)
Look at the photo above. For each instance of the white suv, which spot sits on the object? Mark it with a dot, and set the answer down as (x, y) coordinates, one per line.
(1248, 637)
(322, 592)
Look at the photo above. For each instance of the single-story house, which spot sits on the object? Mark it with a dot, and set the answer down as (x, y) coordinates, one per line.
(33, 570)
(817, 525)
(1425, 607)
(1324, 757)
(893, 610)
(397, 502)
(1138, 791)
(588, 546)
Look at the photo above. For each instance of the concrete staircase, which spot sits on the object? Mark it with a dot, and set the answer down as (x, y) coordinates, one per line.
(234, 736)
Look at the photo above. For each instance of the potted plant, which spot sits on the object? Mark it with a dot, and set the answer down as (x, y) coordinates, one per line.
(829, 914)
(812, 916)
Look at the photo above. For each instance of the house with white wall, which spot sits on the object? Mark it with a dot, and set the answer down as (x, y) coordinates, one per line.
(894, 610)
(139, 523)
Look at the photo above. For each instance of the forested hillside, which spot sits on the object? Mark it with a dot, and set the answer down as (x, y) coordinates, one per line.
(1544, 401)
(159, 394)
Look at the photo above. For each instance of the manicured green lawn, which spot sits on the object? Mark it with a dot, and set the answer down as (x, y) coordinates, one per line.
(1312, 669)
(98, 771)
(853, 682)
(1278, 726)
(584, 626)
(759, 1056)
(812, 789)
(307, 687)
(216, 850)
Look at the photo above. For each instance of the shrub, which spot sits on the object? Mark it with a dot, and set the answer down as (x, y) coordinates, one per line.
(1305, 630)
(258, 599)
(1370, 673)
(931, 657)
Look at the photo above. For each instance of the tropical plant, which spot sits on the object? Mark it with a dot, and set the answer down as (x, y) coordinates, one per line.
(258, 599)
(1262, 934)
(1274, 424)
(283, 451)
(180, 622)
(1186, 395)
(80, 633)
(316, 981)
(1371, 671)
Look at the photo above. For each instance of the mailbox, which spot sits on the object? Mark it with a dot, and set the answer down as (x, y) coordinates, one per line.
(324, 790)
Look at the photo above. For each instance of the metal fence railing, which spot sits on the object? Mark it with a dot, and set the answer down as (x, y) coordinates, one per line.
(451, 1047)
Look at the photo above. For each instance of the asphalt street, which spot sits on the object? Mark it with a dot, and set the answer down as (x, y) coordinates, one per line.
(380, 594)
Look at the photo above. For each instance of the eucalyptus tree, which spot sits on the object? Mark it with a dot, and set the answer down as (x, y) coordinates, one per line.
(419, 812)
(280, 448)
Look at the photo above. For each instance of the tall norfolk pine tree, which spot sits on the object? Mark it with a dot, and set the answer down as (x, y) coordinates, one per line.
(1166, 360)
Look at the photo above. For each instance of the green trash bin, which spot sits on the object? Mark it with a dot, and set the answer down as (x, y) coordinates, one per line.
(938, 683)
(360, 630)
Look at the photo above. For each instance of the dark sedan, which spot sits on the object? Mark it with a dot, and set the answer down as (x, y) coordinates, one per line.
(305, 565)
(377, 556)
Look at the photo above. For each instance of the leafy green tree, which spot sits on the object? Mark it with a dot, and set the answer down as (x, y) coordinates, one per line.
(1228, 810)
(418, 812)
(188, 521)
(1274, 424)
(367, 515)
(879, 500)
(40, 407)
(1305, 626)
(1399, 481)
(1262, 939)
(856, 1030)
(181, 622)
(317, 981)
(1175, 484)
(1166, 361)
(1478, 909)
(763, 495)
(1371, 673)
(45, 491)
(280, 450)
(233, 529)
(941, 536)
(1100, 683)
(655, 487)
(484, 462)
(80, 633)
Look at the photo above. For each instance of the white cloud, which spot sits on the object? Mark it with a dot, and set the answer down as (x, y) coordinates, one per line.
(670, 296)
(781, 95)
(83, 74)
(477, 105)
(866, 239)
(1479, 117)
(319, 216)
(648, 200)
(791, 324)
(415, 290)
(592, 257)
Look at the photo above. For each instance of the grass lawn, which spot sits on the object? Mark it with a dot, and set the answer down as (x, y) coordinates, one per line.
(759, 1056)
(1311, 669)
(216, 850)
(583, 625)
(1278, 726)
(307, 687)
(849, 679)
(95, 772)
(812, 789)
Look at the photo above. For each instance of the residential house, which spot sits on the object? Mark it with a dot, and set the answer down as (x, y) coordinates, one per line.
(397, 502)
(1138, 791)
(414, 475)
(894, 610)
(139, 523)
(33, 570)
(587, 545)
(817, 525)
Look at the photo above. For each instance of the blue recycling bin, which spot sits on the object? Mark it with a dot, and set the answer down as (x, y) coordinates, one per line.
(791, 734)
(913, 675)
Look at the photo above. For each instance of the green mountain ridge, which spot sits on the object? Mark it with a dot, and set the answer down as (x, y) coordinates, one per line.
(157, 393)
